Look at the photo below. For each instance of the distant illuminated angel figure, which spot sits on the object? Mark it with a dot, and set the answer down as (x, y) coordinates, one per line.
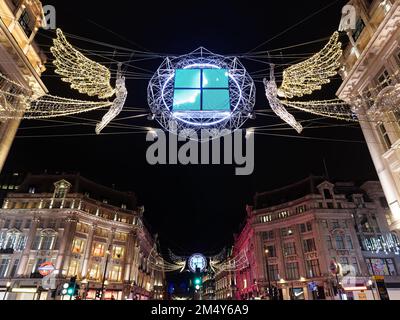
(271, 91)
(88, 77)
(121, 94)
(303, 79)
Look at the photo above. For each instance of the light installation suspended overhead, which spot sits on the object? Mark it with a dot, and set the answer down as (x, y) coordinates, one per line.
(201, 90)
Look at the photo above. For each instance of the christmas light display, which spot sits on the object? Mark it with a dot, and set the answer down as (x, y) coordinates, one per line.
(16, 102)
(309, 75)
(84, 75)
(201, 90)
(121, 94)
(336, 109)
(271, 91)
(234, 264)
(387, 243)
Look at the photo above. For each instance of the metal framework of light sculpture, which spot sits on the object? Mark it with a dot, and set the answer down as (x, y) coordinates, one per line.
(161, 94)
(17, 102)
(304, 78)
(121, 94)
(271, 91)
(83, 74)
(233, 264)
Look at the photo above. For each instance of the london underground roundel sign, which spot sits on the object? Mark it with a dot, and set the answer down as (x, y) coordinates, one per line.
(46, 268)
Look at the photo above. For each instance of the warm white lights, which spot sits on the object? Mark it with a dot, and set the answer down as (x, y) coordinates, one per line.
(84, 75)
(309, 75)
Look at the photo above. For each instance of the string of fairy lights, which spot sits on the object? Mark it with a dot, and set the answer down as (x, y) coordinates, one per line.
(301, 77)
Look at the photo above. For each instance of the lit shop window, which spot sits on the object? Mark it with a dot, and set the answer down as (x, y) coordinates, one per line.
(78, 245)
(73, 268)
(98, 249)
(118, 252)
(245, 283)
(201, 90)
(94, 272)
(115, 273)
(381, 267)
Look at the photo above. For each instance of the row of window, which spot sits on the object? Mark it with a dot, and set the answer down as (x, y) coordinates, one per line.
(313, 270)
(287, 231)
(20, 224)
(341, 242)
(98, 249)
(289, 248)
(64, 204)
(335, 224)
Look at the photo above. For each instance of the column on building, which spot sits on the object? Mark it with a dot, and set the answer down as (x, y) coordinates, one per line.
(66, 244)
(88, 251)
(260, 259)
(128, 263)
(300, 252)
(109, 257)
(385, 176)
(29, 242)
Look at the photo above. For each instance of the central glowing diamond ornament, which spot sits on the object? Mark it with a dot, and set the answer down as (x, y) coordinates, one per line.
(201, 91)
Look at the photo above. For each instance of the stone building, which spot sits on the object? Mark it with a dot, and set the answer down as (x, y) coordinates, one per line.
(371, 71)
(293, 235)
(22, 61)
(83, 229)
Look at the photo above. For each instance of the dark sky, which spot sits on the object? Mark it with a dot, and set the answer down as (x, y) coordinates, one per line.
(195, 208)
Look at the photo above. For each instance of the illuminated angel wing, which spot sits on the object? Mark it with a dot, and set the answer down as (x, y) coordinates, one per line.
(309, 75)
(84, 75)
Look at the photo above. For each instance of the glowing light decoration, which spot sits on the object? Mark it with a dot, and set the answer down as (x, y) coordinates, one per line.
(305, 78)
(84, 75)
(16, 102)
(387, 243)
(271, 91)
(308, 76)
(121, 94)
(197, 262)
(201, 90)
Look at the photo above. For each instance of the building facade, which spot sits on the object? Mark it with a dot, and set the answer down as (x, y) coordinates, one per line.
(293, 235)
(22, 61)
(371, 75)
(83, 229)
(225, 285)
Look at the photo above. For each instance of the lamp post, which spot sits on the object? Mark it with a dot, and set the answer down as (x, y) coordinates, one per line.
(108, 252)
(269, 280)
(8, 285)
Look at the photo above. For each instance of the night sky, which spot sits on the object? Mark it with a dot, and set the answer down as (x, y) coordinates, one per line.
(194, 208)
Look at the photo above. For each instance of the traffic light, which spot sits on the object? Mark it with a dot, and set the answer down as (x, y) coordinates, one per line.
(98, 294)
(197, 281)
(70, 288)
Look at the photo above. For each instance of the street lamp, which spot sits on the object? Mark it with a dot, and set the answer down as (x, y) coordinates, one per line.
(108, 252)
(269, 280)
(8, 285)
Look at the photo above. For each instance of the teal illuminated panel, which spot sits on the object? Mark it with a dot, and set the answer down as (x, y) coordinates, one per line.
(188, 78)
(216, 100)
(187, 100)
(215, 78)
